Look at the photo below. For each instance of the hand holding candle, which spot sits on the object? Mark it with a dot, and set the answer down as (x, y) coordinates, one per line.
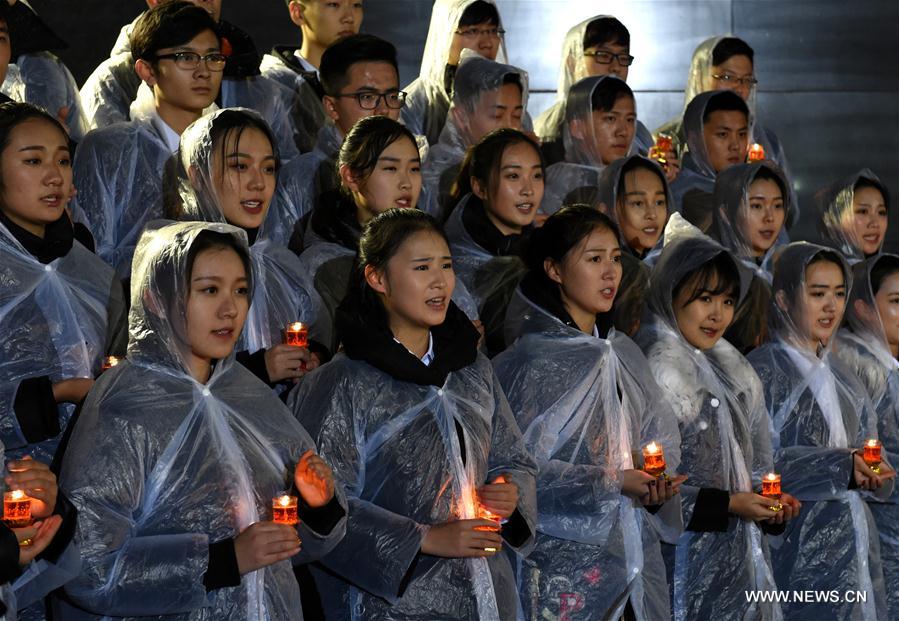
(314, 480)
(872, 454)
(771, 489)
(654, 459)
(37, 481)
(499, 497)
(17, 509)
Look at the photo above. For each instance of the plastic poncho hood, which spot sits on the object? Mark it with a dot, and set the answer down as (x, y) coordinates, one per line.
(836, 211)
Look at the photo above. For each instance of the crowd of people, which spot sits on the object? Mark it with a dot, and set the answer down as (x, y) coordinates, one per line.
(497, 367)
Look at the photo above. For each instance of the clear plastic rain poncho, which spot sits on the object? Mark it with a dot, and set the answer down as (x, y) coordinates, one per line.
(585, 405)
(475, 76)
(306, 112)
(836, 212)
(719, 406)
(609, 182)
(397, 448)
(864, 349)
(160, 465)
(576, 180)
(819, 414)
(55, 320)
(301, 181)
(281, 288)
(573, 68)
(50, 85)
(427, 101)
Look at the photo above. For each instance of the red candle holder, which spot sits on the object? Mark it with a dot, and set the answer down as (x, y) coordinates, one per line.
(16, 509)
(756, 153)
(657, 152)
(872, 454)
(771, 489)
(109, 362)
(284, 510)
(296, 334)
(654, 459)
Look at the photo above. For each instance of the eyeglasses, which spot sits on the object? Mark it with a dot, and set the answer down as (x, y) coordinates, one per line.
(606, 58)
(474, 33)
(732, 79)
(191, 60)
(369, 100)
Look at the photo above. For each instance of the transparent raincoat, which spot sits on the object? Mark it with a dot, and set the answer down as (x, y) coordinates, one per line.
(428, 102)
(609, 182)
(50, 85)
(573, 68)
(57, 320)
(836, 213)
(160, 466)
(700, 80)
(585, 405)
(306, 112)
(863, 348)
(281, 288)
(576, 180)
(411, 455)
(475, 77)
(729, 226)
(819, 413)
(719, 406)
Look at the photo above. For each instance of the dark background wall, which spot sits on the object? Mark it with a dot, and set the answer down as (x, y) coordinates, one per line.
(828, 70)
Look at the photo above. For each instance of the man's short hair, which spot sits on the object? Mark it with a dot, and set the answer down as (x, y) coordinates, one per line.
(727, 101)
(168, 25)
(605, 30)
(729, 47)
(344, 53)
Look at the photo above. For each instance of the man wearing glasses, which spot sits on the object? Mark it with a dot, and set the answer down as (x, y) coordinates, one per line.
(455, 25)
(597, 46)
(119, 169)
(360, 78)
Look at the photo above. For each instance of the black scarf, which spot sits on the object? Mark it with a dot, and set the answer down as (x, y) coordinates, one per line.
(362, 328)
(486, 235)
(57, 241)
(334, 220)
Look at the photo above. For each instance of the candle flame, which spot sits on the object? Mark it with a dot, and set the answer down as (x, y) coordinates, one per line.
(771, 476)
(652, 448)
(296, 326)
(284, 500)
(872, 442)
(18, 495)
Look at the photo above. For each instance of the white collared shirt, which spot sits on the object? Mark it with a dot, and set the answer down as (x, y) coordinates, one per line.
(307, 66)
(171, 138)
(428, 358)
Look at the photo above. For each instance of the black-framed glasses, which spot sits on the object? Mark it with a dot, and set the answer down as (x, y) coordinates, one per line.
(191, 60)
(369, 100)
(734, 80)
(473, 33)
(606, 58)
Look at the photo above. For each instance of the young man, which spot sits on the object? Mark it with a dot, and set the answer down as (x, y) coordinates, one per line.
(110, 90)
(322, 23)
(486, 95)
(119, 169)
(360, 77)
(598, 46)
(38, 77)
(717, 129)
(455, 25)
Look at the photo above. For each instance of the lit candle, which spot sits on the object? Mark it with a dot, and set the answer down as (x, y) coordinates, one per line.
(658, 151)
(654, 459)
(872, 454)
(16, 509)
(296, 334)
(756, 152)
(486, 514)
(109, 362)
(771, 489)
(284, 510)
(665, 143)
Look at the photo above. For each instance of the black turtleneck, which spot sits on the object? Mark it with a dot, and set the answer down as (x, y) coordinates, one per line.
(334, 220)
(485, 233)
(56, 242)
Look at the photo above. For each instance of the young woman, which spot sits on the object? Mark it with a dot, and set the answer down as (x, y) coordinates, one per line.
(63, 309)
(600, 122)
(869, 347)
(417, 427)
(854, 215)
(725, 446)
(179, 451)
(585, 399)
(752, 208)
(634, 192)
(498, 191)
(820, 417)
(455, 25)
(229, 169)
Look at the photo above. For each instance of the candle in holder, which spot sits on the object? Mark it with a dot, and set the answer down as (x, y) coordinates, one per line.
(296, 334)
(872, 454)
(654, 459)
(284, 510)
(664, 144)
(109, 362)
(16, 509)
(756, 152)
(771, 489)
